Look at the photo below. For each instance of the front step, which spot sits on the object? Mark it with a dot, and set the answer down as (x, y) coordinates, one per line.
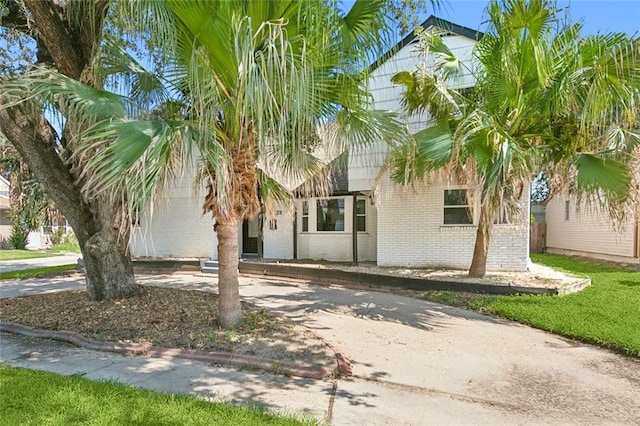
(210, 267)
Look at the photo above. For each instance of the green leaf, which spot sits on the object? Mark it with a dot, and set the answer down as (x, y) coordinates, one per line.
(597, 173)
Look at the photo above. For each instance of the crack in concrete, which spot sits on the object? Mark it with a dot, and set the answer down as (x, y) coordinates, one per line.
(332, 398)
(431, 391)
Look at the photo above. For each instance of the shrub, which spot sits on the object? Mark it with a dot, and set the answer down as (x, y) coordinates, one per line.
(18, 238)
(66, 242)
(57, 236)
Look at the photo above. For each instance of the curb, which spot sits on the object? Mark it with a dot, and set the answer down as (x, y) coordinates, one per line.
(345, 368)
(222, 358)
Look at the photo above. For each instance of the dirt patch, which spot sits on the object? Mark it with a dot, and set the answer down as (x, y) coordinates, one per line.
(170, 318)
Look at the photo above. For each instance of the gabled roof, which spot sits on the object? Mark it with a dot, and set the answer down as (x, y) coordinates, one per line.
(431, 21)
(338, 174)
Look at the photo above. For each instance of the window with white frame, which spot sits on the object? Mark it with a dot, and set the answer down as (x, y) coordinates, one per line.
(305, 216)
(457, 210)
(330, 215)
(361, 215)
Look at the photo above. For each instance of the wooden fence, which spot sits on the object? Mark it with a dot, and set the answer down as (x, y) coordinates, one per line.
(537, 237)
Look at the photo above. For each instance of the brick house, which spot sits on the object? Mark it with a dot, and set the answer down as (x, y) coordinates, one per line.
(427, 224)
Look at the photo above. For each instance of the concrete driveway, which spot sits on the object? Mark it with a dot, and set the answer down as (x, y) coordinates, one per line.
(415, 363)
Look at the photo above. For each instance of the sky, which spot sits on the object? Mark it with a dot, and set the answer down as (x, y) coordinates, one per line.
(598, 15)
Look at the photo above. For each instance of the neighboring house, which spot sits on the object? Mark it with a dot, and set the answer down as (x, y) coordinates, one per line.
(427, 224)
(588, 231)
(5, 221)
(36, 239)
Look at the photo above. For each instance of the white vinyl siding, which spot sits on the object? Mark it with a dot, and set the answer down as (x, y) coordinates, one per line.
(364, 165)
(588, 230)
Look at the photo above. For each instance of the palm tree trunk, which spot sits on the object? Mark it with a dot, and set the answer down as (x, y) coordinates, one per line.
(229, 310)
(478, 267)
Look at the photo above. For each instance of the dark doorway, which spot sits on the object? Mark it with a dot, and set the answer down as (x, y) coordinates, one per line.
(251, 237)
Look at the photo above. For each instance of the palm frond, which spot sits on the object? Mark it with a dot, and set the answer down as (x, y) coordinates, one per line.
(70, 96)
(597, 174)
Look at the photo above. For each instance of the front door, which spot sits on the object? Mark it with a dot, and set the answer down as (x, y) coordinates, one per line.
(251, 240)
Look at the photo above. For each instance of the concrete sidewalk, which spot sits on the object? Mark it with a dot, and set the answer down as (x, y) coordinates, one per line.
(415, 362)
(40, 262)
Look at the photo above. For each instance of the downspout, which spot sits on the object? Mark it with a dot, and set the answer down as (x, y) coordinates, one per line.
(261, 234)
(295, 234)
(636, 248)
(354, 229)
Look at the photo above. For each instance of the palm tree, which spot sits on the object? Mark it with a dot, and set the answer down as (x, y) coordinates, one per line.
(546, 99)
(248, 83)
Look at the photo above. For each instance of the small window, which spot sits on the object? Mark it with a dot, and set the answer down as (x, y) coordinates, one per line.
(361, 215)
(305, 216)
(567, 208)
(330, 215)
(135, 217)
(456, 208)
(47, 227)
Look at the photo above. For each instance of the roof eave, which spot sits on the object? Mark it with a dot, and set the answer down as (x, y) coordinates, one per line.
(429, 22)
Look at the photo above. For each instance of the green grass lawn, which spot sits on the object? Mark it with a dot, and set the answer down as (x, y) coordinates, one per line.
(69, 247)
(25, 254)
(36, 272)
(38, 398)
(607, 312)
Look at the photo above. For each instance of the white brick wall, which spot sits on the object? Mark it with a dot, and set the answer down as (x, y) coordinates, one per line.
(278, 243)
(175, 227)
(410, 232)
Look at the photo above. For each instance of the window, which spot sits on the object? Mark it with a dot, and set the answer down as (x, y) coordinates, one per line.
(330, 215)
(47, 227)
(361, 215)
(456, 208)
(567, 207)
(135, 216)
(305, 216)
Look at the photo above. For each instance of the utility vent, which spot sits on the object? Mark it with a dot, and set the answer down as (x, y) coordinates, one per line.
(440, 32)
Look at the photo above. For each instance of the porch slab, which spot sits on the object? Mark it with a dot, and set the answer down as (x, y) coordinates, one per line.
(539, 280)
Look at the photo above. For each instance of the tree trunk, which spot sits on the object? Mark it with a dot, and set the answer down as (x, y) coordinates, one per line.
(478, 267)
(67, 34)
(109, 273)
(95, 222)
(229, 310)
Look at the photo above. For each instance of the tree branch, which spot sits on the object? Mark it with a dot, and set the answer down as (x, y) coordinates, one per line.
(53, 28)
(16, 20)
(35, 140)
